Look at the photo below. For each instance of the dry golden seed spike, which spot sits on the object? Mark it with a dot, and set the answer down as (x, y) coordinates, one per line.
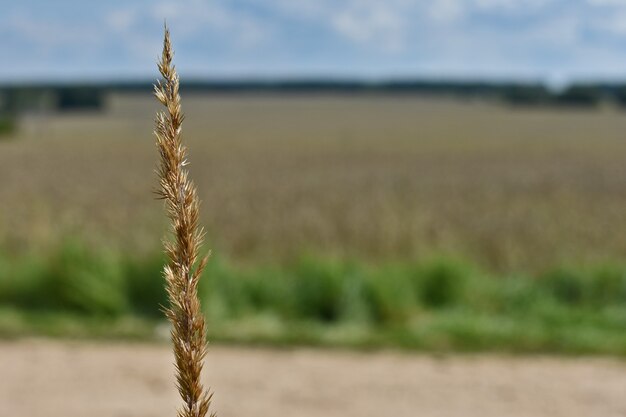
(183, 269)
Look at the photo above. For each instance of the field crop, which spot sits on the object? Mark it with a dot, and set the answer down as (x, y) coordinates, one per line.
(384, 178)
(323, 213)
(438, 304)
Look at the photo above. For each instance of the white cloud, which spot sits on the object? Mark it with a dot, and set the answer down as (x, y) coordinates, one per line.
(193, 17)
(379, 24)
(51, 34)
(618, 3)
(372, 24)
(121, 20)
(446, 11)
(563, 32)
(301, 8)
(511, 5)
(615, 24)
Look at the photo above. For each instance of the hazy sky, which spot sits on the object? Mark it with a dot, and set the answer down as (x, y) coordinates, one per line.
(554, 40)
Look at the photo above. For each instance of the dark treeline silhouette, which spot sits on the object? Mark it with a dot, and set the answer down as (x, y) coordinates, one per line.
(18, 98)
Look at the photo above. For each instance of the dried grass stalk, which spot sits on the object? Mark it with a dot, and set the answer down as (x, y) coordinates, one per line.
(183, 270)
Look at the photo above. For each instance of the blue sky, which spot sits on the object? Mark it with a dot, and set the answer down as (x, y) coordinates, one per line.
(551, 40)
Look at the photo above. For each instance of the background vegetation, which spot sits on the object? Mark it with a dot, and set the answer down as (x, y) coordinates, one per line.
(439, 304)
(91, 96)
(400, 221)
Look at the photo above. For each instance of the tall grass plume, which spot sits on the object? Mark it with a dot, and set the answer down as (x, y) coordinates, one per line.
(183, 270)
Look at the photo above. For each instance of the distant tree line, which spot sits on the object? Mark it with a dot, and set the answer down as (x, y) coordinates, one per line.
(16, 99)
(20, 99)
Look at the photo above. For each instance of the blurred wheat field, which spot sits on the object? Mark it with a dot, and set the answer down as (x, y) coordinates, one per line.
(375, 178)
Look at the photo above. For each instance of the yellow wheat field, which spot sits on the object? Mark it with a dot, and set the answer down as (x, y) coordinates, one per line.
(371, 177)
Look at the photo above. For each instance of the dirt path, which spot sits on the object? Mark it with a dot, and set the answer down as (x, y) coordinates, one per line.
(61, 379)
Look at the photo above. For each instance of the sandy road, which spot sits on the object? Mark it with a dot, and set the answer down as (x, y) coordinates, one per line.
(54, 379)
